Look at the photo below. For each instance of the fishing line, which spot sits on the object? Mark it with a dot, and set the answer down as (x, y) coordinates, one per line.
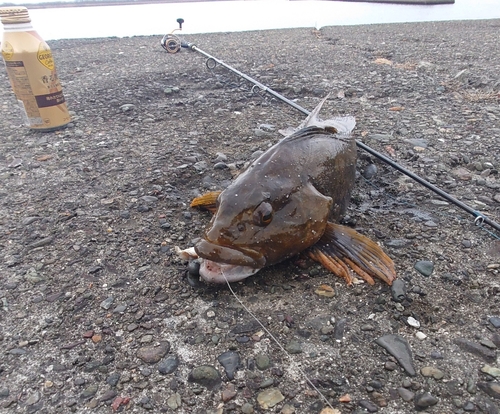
(282, 348)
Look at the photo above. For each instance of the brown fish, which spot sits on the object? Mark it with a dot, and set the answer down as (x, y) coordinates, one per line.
(281, 206)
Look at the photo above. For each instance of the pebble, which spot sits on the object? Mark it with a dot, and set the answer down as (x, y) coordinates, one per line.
(33, 398)
(406, 394)
(413, 322)
(424, 267)
(153, 354)
(269, 398)
(370, 171)
(113, 379)
(481, 351)
(294, 347)
(399, 348)
(174, 401)
(106, 303)
(398, 290)
(368, 406)
(230, 361)
(420, 335)
(495, 321)
(262, 362)
(168, 365)
(108, 395)
(424, 400)
(89, 392)
(247, 408)
(206, 375)
(433, 372)
(491, 388)
(493, 371)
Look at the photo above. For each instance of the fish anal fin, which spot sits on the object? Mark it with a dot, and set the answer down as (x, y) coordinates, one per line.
(330, 263)
(207, 201)
(341, 247)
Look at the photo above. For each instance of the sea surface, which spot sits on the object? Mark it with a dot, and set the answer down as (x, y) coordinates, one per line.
(227, 16)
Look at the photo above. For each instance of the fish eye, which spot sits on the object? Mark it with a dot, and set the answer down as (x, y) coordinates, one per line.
(263, 214)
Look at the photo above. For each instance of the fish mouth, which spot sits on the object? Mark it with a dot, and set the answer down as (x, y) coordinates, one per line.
(229, 255)
(213, 272)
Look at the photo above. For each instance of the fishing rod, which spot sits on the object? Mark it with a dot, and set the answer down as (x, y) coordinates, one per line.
(172, 44)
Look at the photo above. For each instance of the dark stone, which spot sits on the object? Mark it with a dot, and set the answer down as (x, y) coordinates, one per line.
(168, 365)
(474, 348)
(368, 406)
(398, 290)
(338, 332)
(230, 361)
(424, 267)
(491, 388)
(424, 400)
(495, 321)
(399, 348)
(113, 379)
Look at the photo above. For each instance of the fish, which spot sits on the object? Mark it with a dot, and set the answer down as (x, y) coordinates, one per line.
(289, 202)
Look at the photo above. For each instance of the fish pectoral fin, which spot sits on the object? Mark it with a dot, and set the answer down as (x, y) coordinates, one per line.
(342, 248)
(208, 201)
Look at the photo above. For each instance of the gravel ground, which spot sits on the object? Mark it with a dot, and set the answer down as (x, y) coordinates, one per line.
(99, 315)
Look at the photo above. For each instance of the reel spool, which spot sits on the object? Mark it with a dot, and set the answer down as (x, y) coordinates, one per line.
(170, 42)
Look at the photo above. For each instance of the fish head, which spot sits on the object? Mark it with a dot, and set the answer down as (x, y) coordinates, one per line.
(259, 225)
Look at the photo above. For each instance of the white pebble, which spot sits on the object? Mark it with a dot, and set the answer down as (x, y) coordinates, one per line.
(421, 335)
(413, 322)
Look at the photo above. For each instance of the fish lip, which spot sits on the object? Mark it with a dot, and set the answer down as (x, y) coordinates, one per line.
(218, 273)
(230, 255)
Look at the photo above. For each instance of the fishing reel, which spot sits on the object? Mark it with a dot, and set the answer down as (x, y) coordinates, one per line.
(172, 43)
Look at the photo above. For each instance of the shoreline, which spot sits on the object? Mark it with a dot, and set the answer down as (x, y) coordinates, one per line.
(55, 5)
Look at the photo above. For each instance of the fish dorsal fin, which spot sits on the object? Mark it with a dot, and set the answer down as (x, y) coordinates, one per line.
(342, 125)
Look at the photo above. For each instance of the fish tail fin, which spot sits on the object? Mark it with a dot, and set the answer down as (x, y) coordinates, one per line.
(341, 125)
(208, 201)
(342, 249)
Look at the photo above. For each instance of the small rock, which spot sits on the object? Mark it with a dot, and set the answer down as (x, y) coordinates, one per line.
(89, 392)
(424, 267)
(406, 394)
(205, 375)
(262, 361)
(247, 408)
(174, 401)
(106, 303)
(493, 371)
(413, 322)
(269, 398)
(294, 347)
(230, 361)
(481, 351)
(370, 171)
(398, 290)
(153, 354)
(399, 348)
(420, 335)
(491, 388)
(228, 392)
(168, 365)
(495, 321)
(368, 406)
(433, 372)
(424, 400)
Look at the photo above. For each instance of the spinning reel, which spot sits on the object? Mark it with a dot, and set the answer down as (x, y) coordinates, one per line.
(172, 43)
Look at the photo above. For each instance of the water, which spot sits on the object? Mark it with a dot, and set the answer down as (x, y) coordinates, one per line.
(227, 16)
